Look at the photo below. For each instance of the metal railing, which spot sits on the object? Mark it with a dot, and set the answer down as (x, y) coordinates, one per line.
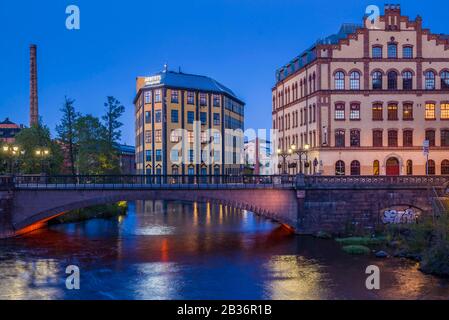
(6, 183)
(373, 181)
(153, 181)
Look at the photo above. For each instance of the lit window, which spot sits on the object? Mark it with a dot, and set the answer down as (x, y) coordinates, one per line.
(175, 136)
(392, 111)
(407, 113)
(158, 136)
(377, 112)
(445, 111)
(148, 136)
(430, 111)
(354, 112)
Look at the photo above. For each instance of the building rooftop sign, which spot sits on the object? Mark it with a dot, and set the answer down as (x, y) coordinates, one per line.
(153, 80)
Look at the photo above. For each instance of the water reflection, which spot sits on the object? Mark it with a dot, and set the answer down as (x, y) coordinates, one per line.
(178, 250)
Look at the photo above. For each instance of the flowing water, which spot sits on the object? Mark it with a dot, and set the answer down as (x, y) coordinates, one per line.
(175, 250)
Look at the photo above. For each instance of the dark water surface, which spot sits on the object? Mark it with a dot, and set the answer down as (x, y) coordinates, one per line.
(173, 250)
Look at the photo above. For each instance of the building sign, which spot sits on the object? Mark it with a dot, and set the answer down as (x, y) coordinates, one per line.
(425, 147)
(151, 81)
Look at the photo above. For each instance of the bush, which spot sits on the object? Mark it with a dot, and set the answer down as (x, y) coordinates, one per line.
(94, 212)
(356, 249)
(361, 241)
(436, 260)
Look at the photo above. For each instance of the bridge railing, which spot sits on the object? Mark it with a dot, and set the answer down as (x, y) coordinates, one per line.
(153, 181)
(417, 181)
(6, 183)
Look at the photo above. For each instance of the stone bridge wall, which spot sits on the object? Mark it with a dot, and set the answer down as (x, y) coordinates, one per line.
(36, 206)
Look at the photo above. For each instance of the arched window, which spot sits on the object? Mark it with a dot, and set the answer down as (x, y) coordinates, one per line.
(445, 167)
(392, 80)
(407, 80)
(445, 80)
(339, 80)
(377, 80)
(409, 167)
(376, 167)
(430, 80)
(354, 80)
(355, 168)
(431, 167)
(340, 168)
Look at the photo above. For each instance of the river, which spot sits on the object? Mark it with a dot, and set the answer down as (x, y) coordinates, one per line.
(175, 250)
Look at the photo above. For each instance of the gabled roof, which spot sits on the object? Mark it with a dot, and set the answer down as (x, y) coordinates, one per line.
(309, 55)
(191, 81)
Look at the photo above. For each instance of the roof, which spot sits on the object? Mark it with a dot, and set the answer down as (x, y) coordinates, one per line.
(191, 81)
(8, 124)
(309, 55)
(123, 148)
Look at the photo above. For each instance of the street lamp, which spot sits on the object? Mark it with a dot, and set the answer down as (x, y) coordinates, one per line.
(11, 152)
(302, 152)
(42, 154)
(284, 156)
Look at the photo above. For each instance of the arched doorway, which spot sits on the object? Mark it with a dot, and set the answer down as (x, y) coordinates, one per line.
(392, 166)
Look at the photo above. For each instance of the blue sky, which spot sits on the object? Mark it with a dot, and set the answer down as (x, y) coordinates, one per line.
(238, 42)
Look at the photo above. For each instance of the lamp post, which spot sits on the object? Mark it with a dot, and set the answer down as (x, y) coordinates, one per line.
(284, 156)
(42, 154)
(302, 152)
(11, 152)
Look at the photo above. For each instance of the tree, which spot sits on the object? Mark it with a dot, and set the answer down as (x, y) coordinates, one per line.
(66, 131)
(114, 110)
(95, 155)
(30, 140)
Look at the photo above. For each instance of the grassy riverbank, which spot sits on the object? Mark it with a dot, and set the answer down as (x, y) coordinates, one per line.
(94, 212)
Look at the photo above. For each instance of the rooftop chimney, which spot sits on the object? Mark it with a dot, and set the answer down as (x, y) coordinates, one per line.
(34, 111)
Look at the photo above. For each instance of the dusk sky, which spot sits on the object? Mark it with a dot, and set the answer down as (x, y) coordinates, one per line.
(238, 43)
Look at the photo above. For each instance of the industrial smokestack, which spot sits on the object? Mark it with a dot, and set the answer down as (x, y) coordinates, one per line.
(34, 111)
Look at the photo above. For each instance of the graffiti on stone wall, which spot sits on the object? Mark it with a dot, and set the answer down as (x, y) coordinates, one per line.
(394, 216)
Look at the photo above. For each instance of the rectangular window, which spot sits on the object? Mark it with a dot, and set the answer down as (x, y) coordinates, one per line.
(147, 97)
(430, 111)
(407, 113)
(157, 96)
(392, 138)
(339, 138)
(203, 118)
(339, 112)
(355, 112)
(158, 116)
(392, 111)
(216, 119)
(174, 96)
(190, 117)
(445, 111)
(217, 156)
(392, 51)
(377, 112)
(355, 138)
(190, 97)
(377, 138)
(216, 99)
(148, 137)
(408, 138)
(430, 136)
(377, 52)
(191, 156)
(217, 137)
(445, 138)
(158, 155)
(174, 116)
(147, 116)
(158, 136)
(407, 52)
(148, 155)
(203, 99)
(174, 155)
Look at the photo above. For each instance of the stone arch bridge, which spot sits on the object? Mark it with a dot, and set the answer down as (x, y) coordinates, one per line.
(306, 204)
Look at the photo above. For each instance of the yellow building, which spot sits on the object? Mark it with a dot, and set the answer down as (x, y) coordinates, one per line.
(187, 125)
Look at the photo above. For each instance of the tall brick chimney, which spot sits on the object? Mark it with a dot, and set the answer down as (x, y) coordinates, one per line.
(392, 16)
(34, 110)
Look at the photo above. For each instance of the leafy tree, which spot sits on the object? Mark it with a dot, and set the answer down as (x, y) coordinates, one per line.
(95, 154)
(67, 132)
(114, 110)
(29, 141)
